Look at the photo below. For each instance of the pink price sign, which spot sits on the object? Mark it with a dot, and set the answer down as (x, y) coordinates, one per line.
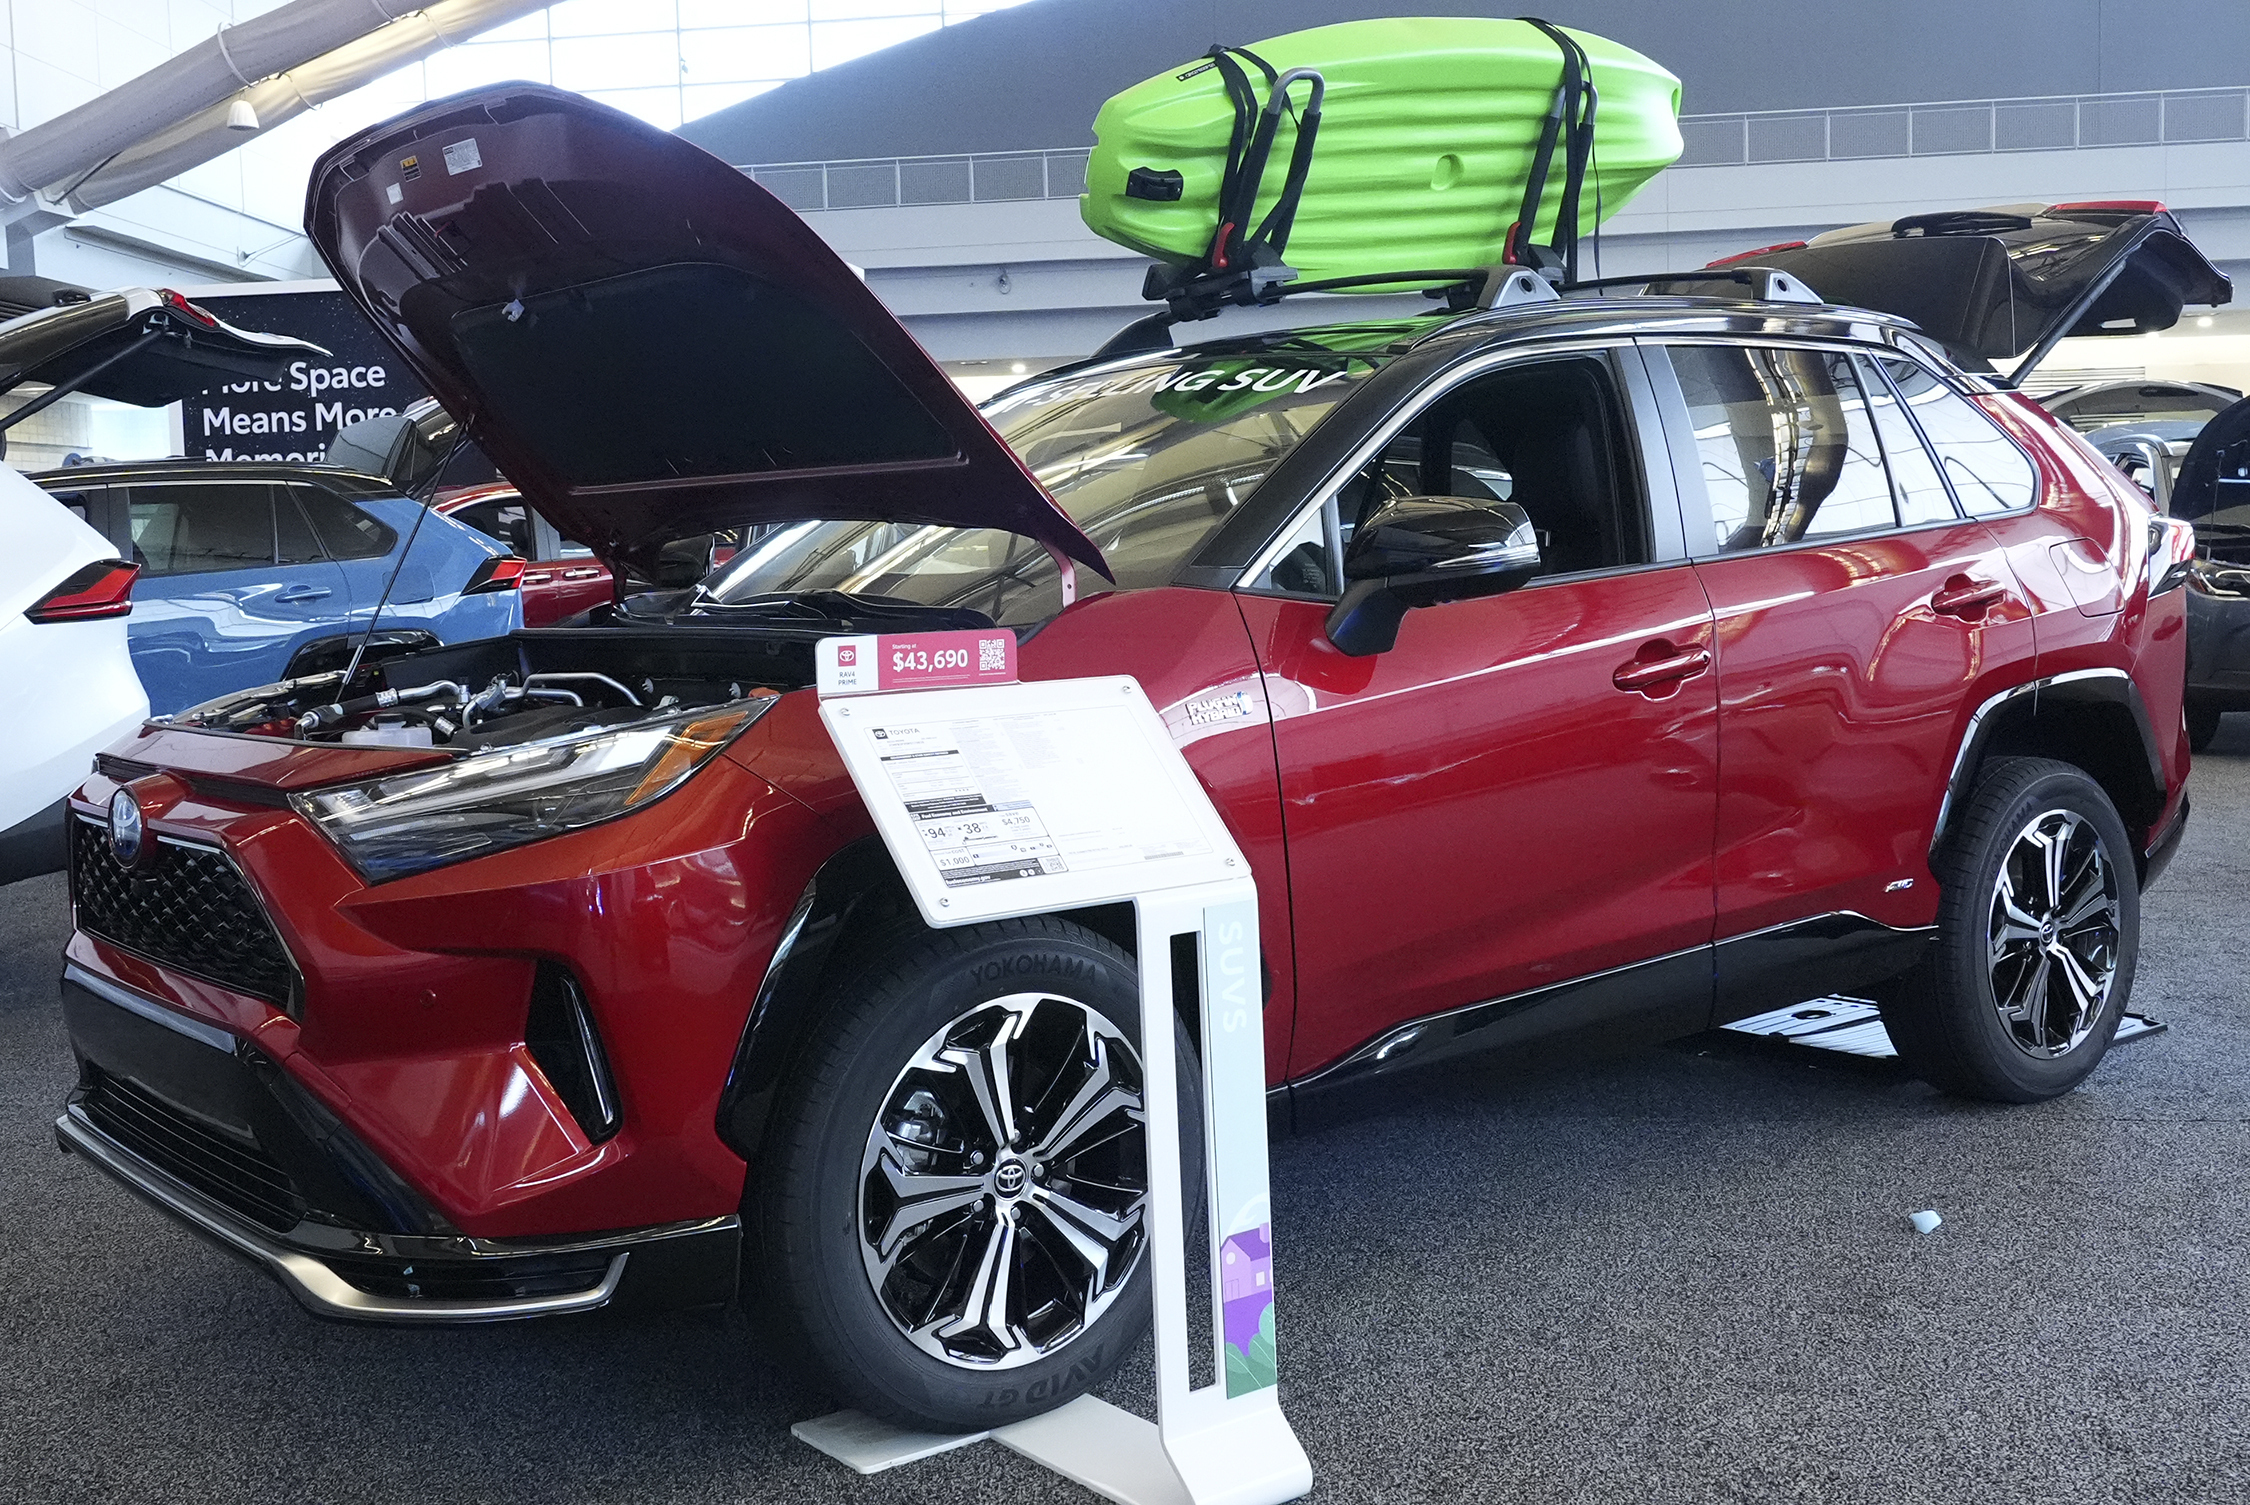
(915, 661)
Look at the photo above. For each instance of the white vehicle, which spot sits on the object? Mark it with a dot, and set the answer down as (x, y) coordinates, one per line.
(65, 676)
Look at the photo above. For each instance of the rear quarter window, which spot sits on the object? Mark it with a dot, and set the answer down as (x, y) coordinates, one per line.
(347, 532)
(1988, 473)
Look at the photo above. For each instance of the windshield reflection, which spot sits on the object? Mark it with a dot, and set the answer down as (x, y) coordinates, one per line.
(1147, 459)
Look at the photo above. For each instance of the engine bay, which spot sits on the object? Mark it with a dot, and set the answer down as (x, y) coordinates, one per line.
(530, 686)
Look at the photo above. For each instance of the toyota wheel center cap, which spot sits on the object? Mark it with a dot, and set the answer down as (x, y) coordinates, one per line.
(1009, 1178)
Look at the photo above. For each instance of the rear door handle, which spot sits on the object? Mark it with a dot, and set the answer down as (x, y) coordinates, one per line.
(1964, 596)
(586, 574)
(297, 593)
(1660, 664)
(541, 577)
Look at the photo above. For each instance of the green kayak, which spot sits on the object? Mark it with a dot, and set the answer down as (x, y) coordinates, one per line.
(1422, 157)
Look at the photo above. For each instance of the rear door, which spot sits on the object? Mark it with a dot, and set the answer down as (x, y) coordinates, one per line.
(1859, 614)
(1517, 798)
(569, 579)
(226, 593)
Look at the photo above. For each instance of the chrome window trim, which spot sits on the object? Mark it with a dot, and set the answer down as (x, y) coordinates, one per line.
(1363, 454)
(1951, 380)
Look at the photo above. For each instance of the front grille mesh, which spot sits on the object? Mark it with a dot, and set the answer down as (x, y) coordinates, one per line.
(230, 1171)
(187, 908)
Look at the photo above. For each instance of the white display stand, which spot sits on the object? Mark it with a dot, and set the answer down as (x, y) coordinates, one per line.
(1001, 800)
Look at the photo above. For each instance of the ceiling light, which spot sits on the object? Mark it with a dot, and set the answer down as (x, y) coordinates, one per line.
(1017, 369)
(2203, 321)
(242, 116)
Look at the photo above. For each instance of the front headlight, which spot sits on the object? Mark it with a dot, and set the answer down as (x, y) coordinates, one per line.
(413, 822)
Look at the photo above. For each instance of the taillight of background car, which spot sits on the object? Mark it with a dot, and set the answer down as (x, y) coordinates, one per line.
(2171, 554)
(101, 589)
(502, 572)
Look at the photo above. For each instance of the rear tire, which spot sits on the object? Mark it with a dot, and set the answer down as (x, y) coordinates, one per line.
(2038, 933)
(2202, 725)
(899, 1186)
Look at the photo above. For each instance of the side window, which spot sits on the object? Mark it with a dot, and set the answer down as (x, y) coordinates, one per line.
(202, 529)
(293, 536)
(1921, 494)
(348, 532)
(1986, 470)
(1545, 435)
(1306, 565)
(502, 520)
(1787, 446)
(85, 504)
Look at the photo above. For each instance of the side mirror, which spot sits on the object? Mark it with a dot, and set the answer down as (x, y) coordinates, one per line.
(682, 563)
(1423, 550)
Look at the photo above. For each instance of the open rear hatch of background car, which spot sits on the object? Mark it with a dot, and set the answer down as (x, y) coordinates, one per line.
(1994, 284)
(646, 342)
(135, 346)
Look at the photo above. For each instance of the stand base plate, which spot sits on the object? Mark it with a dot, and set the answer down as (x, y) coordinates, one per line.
(1114, 1453)
(1854, 1027)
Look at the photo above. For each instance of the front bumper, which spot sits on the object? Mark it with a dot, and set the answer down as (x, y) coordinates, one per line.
(194, 1120)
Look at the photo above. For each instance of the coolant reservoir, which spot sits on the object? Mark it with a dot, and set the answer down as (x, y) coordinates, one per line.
(389, 730)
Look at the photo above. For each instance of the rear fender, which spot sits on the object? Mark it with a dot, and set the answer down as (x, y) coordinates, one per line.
(2093, 719)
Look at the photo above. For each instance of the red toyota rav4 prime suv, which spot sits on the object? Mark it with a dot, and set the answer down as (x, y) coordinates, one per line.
(1598, 666)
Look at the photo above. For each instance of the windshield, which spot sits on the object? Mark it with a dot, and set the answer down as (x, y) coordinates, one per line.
(1149, 459)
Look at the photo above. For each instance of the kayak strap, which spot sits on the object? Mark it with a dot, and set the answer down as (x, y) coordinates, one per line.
(1243, 264)
(1569, 123)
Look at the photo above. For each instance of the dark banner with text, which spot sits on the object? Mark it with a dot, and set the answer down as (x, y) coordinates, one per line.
(294, 417)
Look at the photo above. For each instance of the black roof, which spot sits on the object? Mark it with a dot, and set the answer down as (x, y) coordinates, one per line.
(1574, 316)
(333, 477)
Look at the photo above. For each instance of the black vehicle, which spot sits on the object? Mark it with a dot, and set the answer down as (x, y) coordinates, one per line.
(2211, 490)
(2104, 404)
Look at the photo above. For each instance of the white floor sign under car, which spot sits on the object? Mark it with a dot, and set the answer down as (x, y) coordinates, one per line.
(999, 799)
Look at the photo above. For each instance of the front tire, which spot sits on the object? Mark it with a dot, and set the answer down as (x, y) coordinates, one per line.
(2038, 933)
(953, 1217)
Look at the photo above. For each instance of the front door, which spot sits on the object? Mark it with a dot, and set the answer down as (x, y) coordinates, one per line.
(1519, 795)
(1859, 614)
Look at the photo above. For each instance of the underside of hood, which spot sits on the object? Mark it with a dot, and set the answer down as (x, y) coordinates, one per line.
(645, 341)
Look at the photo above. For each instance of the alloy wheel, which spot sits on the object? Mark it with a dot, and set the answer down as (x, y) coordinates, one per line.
(1004, 1189)
(2054, 934)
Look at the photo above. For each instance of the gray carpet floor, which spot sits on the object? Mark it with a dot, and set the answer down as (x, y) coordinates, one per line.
(1683, 1275)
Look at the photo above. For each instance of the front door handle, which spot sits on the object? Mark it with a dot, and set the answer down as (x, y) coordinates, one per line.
(1659, 664)
(1967, 597)
(297, 593)
(581, 574)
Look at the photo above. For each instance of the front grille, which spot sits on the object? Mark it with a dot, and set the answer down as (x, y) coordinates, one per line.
(187, 908)
(231, 1171)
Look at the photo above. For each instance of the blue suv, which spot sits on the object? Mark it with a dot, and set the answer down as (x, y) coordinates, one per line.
(255, 573)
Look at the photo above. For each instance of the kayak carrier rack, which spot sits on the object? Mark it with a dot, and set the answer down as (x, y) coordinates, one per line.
(1244, 267)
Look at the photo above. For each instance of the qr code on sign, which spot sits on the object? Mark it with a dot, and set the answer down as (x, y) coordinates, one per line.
(992, 655)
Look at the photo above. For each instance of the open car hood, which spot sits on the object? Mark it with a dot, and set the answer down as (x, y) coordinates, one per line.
(139, 346)
(646, 342)
(1994, 284)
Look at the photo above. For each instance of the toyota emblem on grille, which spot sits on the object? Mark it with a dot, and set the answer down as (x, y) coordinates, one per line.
(125, 828)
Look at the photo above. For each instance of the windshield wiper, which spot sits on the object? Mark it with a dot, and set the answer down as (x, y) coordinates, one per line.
(851, 610)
